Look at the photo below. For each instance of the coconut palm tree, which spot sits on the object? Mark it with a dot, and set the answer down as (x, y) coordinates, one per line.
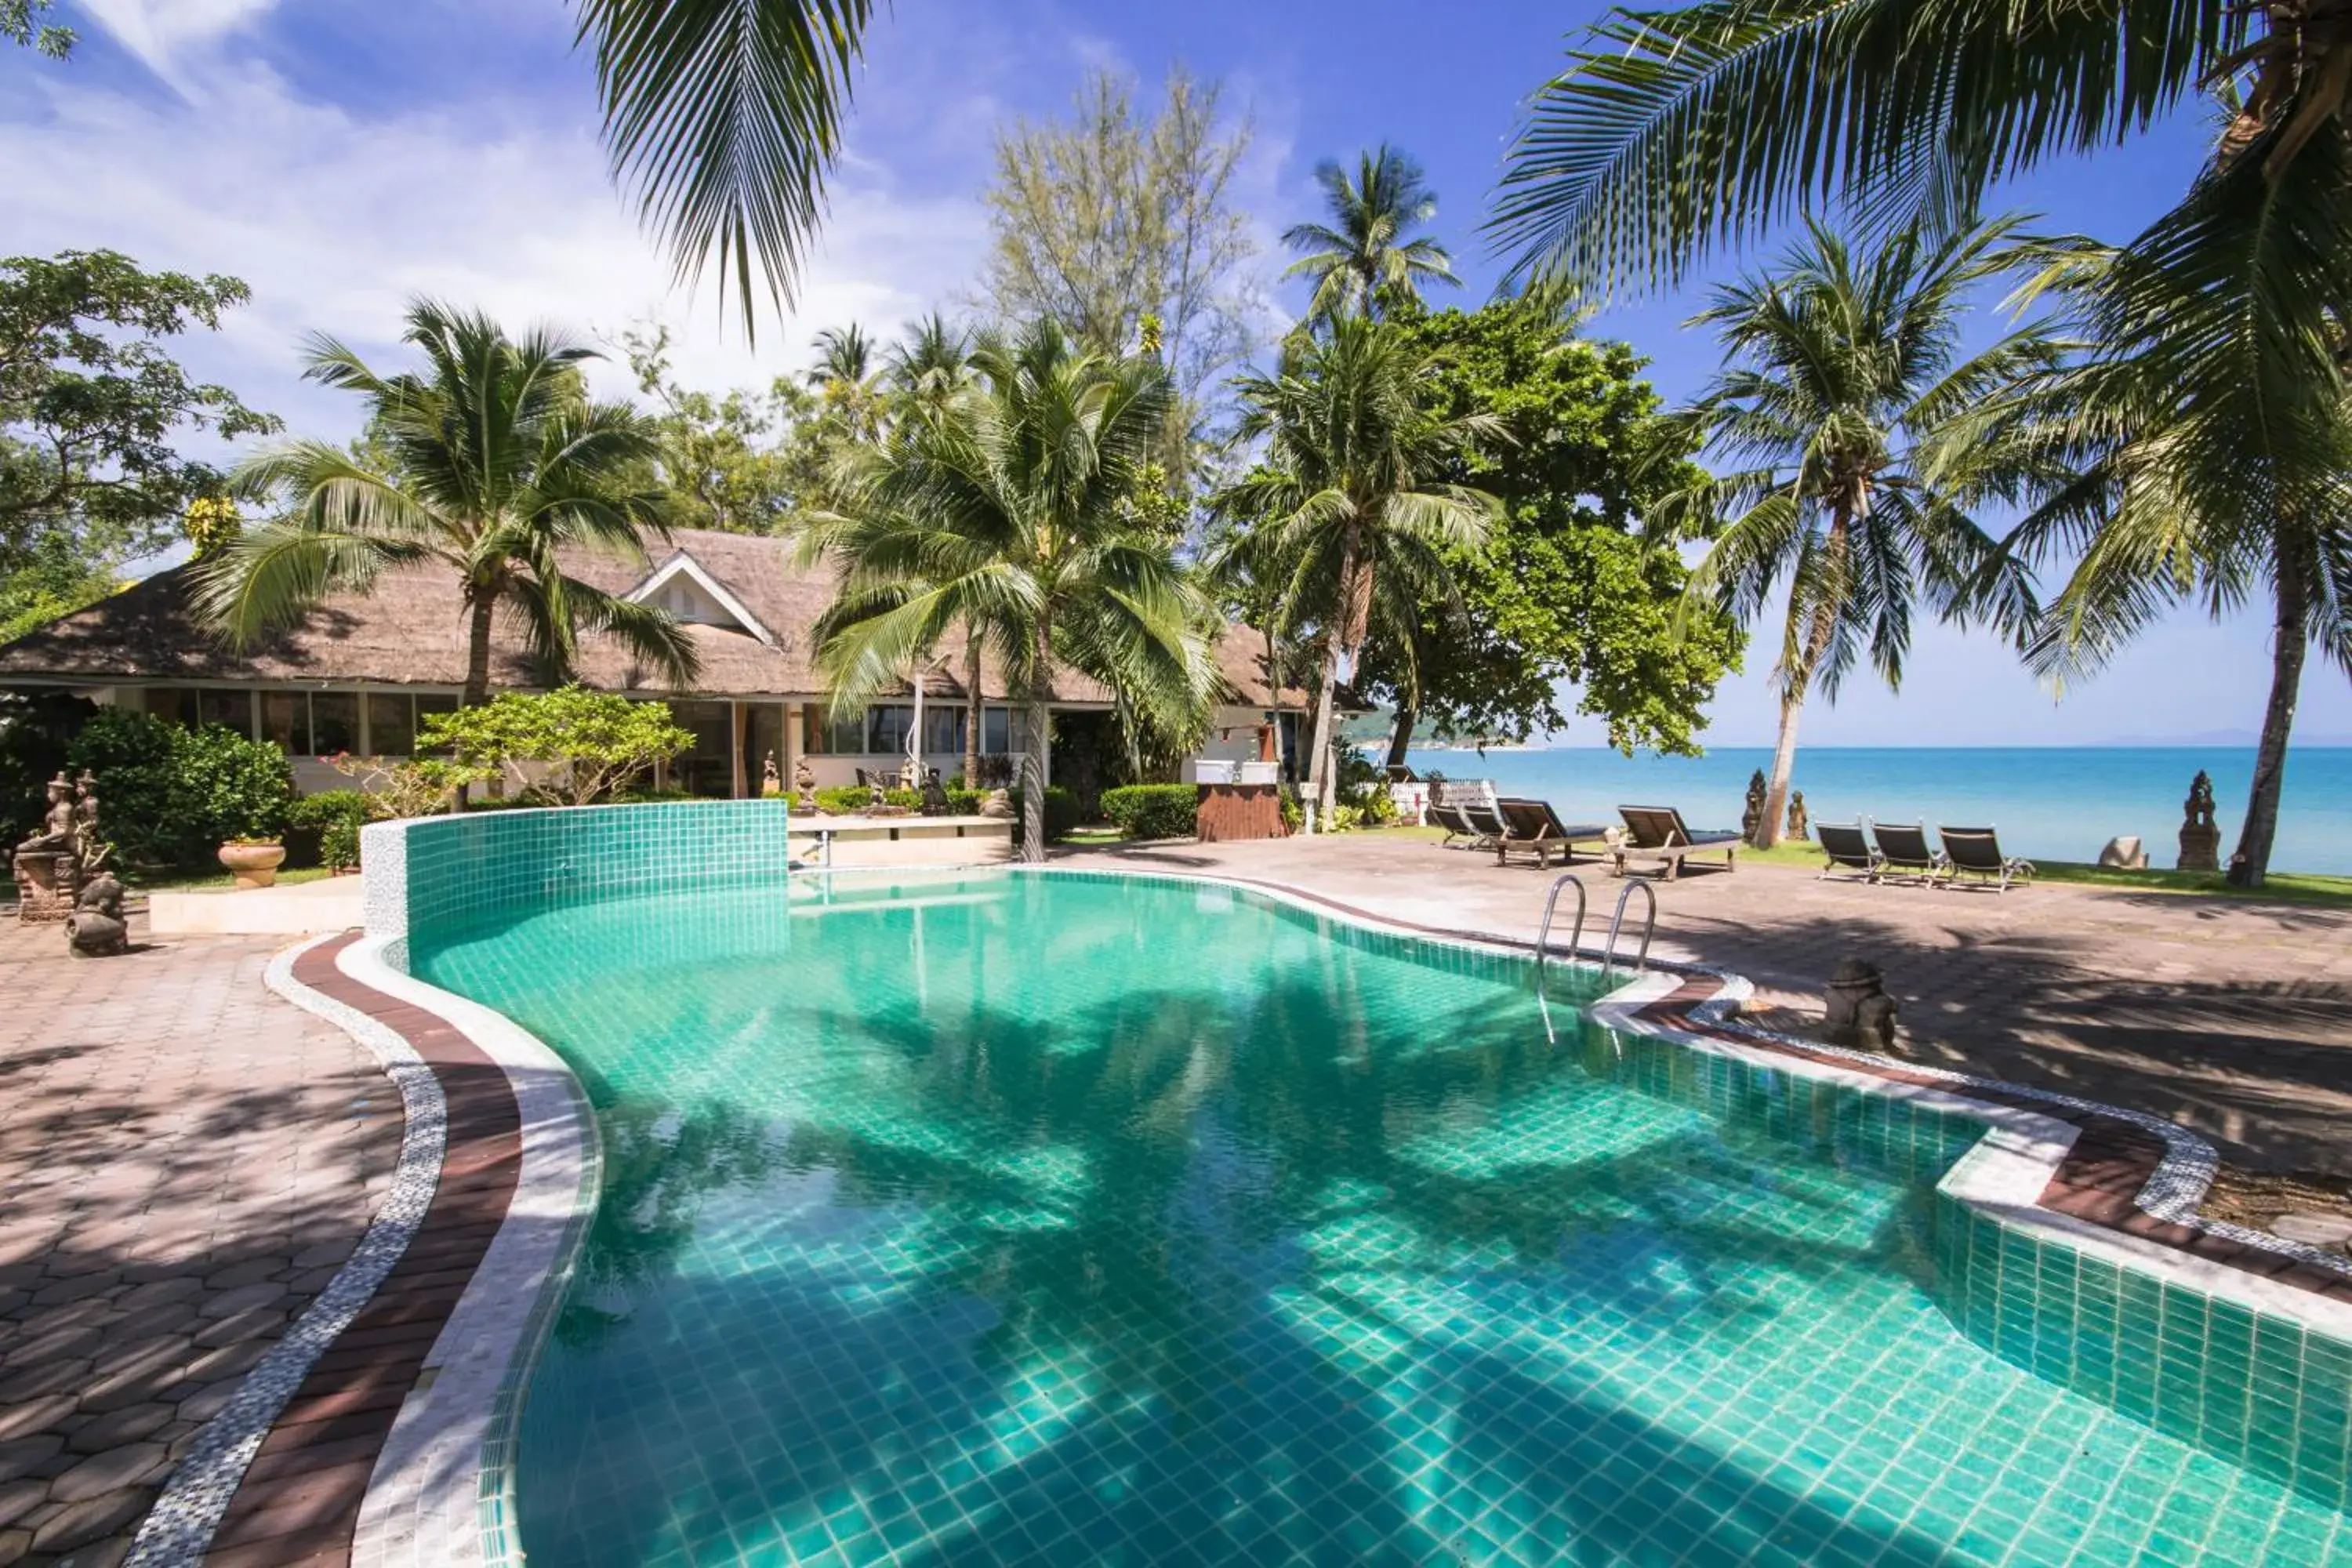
(2210, 450)
(1367, 260)
(1002, 514)
(496, 463)
(931, 362)
(1846, 489)
(1342, 511)
(722, 117)
(849, 375)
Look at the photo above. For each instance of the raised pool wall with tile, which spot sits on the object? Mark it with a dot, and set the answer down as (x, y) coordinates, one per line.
(2251, 1384)
(2258, 1388)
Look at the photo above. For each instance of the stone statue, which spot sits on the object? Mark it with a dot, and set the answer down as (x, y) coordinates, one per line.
(770, 781)
(1801, 825)
(1751, 821)
(935, 794)
(877, 799)
(97, 928)
(1858, 1013)
(2201, 837)
(48, 865)
(2123, 853)
(803, 786)
(999, 804)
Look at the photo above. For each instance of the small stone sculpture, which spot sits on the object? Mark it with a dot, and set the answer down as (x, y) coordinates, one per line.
(2200, 838)
(877, 799)
(2123, 853)
(935, 794)
(770, 782)
(49, 866)
(1858, 1013)
(1801, 825)
(803, 786)
(999, 804)
(1751, 821)
(96, 929)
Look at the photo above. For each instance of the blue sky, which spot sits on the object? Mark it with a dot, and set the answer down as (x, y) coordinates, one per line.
(343, 154)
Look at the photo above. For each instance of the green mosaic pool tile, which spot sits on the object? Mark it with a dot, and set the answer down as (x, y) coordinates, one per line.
(1559, 1348)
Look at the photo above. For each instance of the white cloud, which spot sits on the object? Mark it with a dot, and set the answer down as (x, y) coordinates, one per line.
(336, 220)
(162, 33)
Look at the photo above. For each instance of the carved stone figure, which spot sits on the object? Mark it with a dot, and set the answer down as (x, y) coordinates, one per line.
(877, 799)
(2124, 854)
(1801, 825)
(49, 866)
(935, 794)
(2201, 837)
(999, 804)
(1751, 821)
(770, 781)
(97, 928)
(1858, 1013)
(803, 786)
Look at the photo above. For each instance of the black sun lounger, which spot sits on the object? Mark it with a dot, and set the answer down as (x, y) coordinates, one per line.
(1534, 827)
(1849, 848)
(1658, 833)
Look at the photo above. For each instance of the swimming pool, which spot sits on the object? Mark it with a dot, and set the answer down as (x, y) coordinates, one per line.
(1041, 1218)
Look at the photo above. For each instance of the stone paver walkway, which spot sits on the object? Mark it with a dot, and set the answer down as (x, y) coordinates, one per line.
(2231, 1016)
(185, 1161)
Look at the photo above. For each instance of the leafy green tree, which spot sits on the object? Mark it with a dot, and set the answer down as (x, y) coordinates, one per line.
(932, 363)
(1673, 131)
(725, 462)
(1001, 515)
(585, 746)
(90, 405)
(1351, 510)
(1843, 409)
(1563, 589)
(1367, 260)
(1113, 221)
(500, 463)
(19, 26)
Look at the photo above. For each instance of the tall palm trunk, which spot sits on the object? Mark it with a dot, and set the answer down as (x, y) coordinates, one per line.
(973, 710)
(2291, 641)
(1401, 740)
(481, 603)
(1796, 683)
(1340, 645)
(1033, 747)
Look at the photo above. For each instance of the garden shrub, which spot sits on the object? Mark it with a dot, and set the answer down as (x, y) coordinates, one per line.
(1061, 814)
(336, 816)
(594, 743)
(170, 796)
(1154, 811)
(848, 800)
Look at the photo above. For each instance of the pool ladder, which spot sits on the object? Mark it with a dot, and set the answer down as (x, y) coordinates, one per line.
(1616, 924)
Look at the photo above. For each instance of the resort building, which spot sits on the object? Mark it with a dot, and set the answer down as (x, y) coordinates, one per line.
(359, 672)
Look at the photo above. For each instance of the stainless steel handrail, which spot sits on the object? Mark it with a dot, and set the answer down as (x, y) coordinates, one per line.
(1543, 932)
(1649, 927)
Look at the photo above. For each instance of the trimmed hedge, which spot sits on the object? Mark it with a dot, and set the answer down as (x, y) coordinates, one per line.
(170, 796)
(336, 816)
(1154, 811)
(848, 800)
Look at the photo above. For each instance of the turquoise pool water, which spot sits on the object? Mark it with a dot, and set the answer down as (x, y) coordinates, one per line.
(1050, 1219)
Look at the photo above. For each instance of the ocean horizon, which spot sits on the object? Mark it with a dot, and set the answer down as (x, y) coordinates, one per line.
(2058, 803)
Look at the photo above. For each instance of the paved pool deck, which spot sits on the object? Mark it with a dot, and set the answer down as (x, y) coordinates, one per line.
(2232, 1017)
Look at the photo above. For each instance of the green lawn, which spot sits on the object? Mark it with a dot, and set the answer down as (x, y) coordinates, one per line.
(209, 882)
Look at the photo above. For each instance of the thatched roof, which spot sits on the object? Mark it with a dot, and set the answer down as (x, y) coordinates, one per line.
(409, 631)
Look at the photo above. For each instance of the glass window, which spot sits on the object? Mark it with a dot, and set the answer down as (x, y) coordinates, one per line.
(823, 735)
(234, 708)
(391, 723)
(334, 721)
(709, 767)
(942, 731)
(286, 718)
(173, 704)
(886, 730)
(427, 704)
(995, 730)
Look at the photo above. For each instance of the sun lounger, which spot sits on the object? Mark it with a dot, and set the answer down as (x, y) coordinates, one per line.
(1467, 809)
(1849, 848)
(1905, 848)
(1658, 833)
(1976, 852)
(1533, 826)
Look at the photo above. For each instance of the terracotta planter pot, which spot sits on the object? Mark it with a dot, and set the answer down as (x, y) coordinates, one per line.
(254, 864)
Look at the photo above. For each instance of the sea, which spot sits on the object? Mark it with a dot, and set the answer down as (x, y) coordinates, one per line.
(2055, 802)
